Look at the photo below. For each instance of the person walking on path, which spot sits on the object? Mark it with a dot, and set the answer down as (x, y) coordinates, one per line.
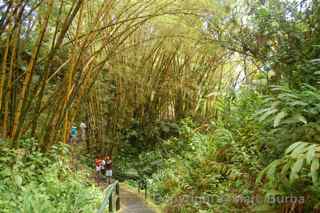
(108, 165)
(99, 168)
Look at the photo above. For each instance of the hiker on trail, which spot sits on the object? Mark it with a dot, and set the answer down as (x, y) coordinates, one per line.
(98, 167)
(73, 135)
(103, 166)
(83, 127)
(109, 169)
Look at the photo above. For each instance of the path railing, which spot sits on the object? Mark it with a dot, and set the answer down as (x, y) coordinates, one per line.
(108, 199)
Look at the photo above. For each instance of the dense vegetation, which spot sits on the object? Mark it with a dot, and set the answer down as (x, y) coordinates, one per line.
(33, 182)
(222, 161)
(214, 103)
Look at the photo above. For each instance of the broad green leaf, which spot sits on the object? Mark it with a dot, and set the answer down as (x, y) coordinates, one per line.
(5, 172)
(259, 112)
(299, 150)
(297, 166)
(261, 175)
(300, 118)
(267, 114)
(314, 170)
(272, 169)
(311, 153)
(288, 96)
(298, 103)
(18, 180)
(292, 147)
(278, 118)
(267, 99)
(316, 60)
(264, 171)
(310, 88)
(279, 89)
(284, 171)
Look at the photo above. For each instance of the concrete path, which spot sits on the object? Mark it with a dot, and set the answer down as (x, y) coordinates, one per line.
(132, 203)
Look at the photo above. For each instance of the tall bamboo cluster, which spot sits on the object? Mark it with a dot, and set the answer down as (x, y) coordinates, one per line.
(51, 55)
(159, 75)
(104, 63)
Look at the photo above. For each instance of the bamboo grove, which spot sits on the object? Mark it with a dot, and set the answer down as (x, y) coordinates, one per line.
(61, 61)
(195, 97)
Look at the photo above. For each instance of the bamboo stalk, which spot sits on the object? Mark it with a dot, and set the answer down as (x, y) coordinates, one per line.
(17, 123)
(55, 46)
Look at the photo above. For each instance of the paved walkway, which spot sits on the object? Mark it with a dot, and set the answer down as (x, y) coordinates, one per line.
(132, 203)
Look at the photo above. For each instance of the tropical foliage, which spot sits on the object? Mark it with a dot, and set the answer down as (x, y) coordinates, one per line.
(33, 182)
(217, 100)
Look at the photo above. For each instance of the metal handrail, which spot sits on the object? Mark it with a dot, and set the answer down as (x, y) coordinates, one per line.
(107, 201)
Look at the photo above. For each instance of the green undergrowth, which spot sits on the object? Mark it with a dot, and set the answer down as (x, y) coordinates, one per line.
(31, 181)
(262, 154)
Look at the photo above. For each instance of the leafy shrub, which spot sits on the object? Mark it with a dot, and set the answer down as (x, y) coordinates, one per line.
(139, 147)
(216, 162)
(297, 173)
(293, 116)
(250, 135)
(31, 181)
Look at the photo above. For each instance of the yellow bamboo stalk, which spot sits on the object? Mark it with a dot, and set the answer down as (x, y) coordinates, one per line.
(70, 87)
(69, 79)
(17, 123)
(3, 72)
(9, 94)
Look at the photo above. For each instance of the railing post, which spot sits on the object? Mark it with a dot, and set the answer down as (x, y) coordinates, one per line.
(108, 199)
(118, 197)
(110, 204)
(145, 189)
